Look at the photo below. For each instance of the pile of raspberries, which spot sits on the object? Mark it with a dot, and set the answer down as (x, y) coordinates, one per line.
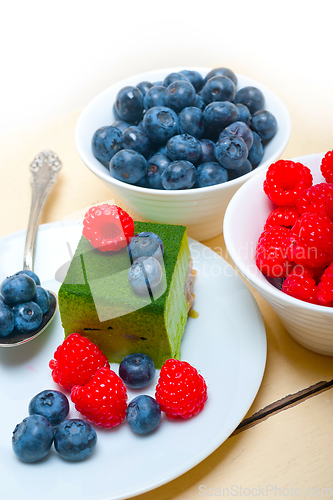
(296, 244)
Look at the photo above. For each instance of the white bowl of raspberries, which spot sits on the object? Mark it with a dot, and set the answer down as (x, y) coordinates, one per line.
(278, 229)
(175, 144)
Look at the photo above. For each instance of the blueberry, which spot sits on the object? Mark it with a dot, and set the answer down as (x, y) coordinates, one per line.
(231, 152)
(143, 414)
(137, 370)
(144, 87)
(32, 438)
(265, 124)
(256, 152)
(154, 97)
(134, 138)
(183, 147)
(155, 236)
(179, 95)
(251, 97)
(244, 113)
(143, 183)
(207, 151)
(129, 104)
(209, 174)
(27, 317)
(6, 320)
(1, 300)
(198, 103)
(42, 298)
(222, 72)
(159, 83)
(115, 113)
(75, 439)
(160, 123)
(145, 275)
(174, 77)
(156, 166)
(145, 245)
(162, 150)
(194, 77)
(106, 142)
(140, 126)
(217, 116)
(218, 88)
(191, 122)
(179, 175)
(240, 129)
(18, 289)
(51, 404)
(121, 125)
(128, 166)
(31, 274)
(245, 168)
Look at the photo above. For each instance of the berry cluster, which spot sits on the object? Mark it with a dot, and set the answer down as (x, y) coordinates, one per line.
(185, 131)
(23, 302)
(73, 439)
(100, 395)
(109, 228)
(296, 245)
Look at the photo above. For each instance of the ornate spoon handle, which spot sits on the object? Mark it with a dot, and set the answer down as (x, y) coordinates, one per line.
(44, 172)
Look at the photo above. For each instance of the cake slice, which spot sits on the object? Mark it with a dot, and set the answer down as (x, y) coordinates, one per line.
(97, 301)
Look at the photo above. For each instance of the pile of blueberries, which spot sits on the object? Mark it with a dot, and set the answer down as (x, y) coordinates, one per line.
(185, 132)
(23, 302)
(74, 439)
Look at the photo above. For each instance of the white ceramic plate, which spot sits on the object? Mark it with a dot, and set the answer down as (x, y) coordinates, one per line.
(226, 343)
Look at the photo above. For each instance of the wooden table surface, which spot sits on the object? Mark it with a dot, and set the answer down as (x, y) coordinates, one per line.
(284, 446)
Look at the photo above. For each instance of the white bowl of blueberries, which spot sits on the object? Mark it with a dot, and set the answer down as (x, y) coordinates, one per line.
(174, 145)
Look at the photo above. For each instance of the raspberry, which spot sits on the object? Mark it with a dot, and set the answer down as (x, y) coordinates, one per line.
(301, 286)
(314, 199)
(307, 256)
(282, 216)
(325, 287)
(103, 400)
(181, 391)
(314, 230)
(271, 252)
(329, 206)
(285, 180)
(76, 361)
(108, 227)
(326, 166)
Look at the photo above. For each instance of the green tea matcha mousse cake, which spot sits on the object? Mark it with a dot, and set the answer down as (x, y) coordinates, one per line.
(97, 300)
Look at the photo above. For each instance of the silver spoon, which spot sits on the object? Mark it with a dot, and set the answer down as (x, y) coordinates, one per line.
(44, 172)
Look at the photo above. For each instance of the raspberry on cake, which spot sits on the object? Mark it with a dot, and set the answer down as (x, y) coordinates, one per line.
(97, 286)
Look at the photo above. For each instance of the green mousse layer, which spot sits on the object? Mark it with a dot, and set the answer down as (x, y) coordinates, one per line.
(97, 301)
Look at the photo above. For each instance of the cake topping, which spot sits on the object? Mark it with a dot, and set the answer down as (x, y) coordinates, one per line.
(108, 227)
(145, 275)
(145, 244)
